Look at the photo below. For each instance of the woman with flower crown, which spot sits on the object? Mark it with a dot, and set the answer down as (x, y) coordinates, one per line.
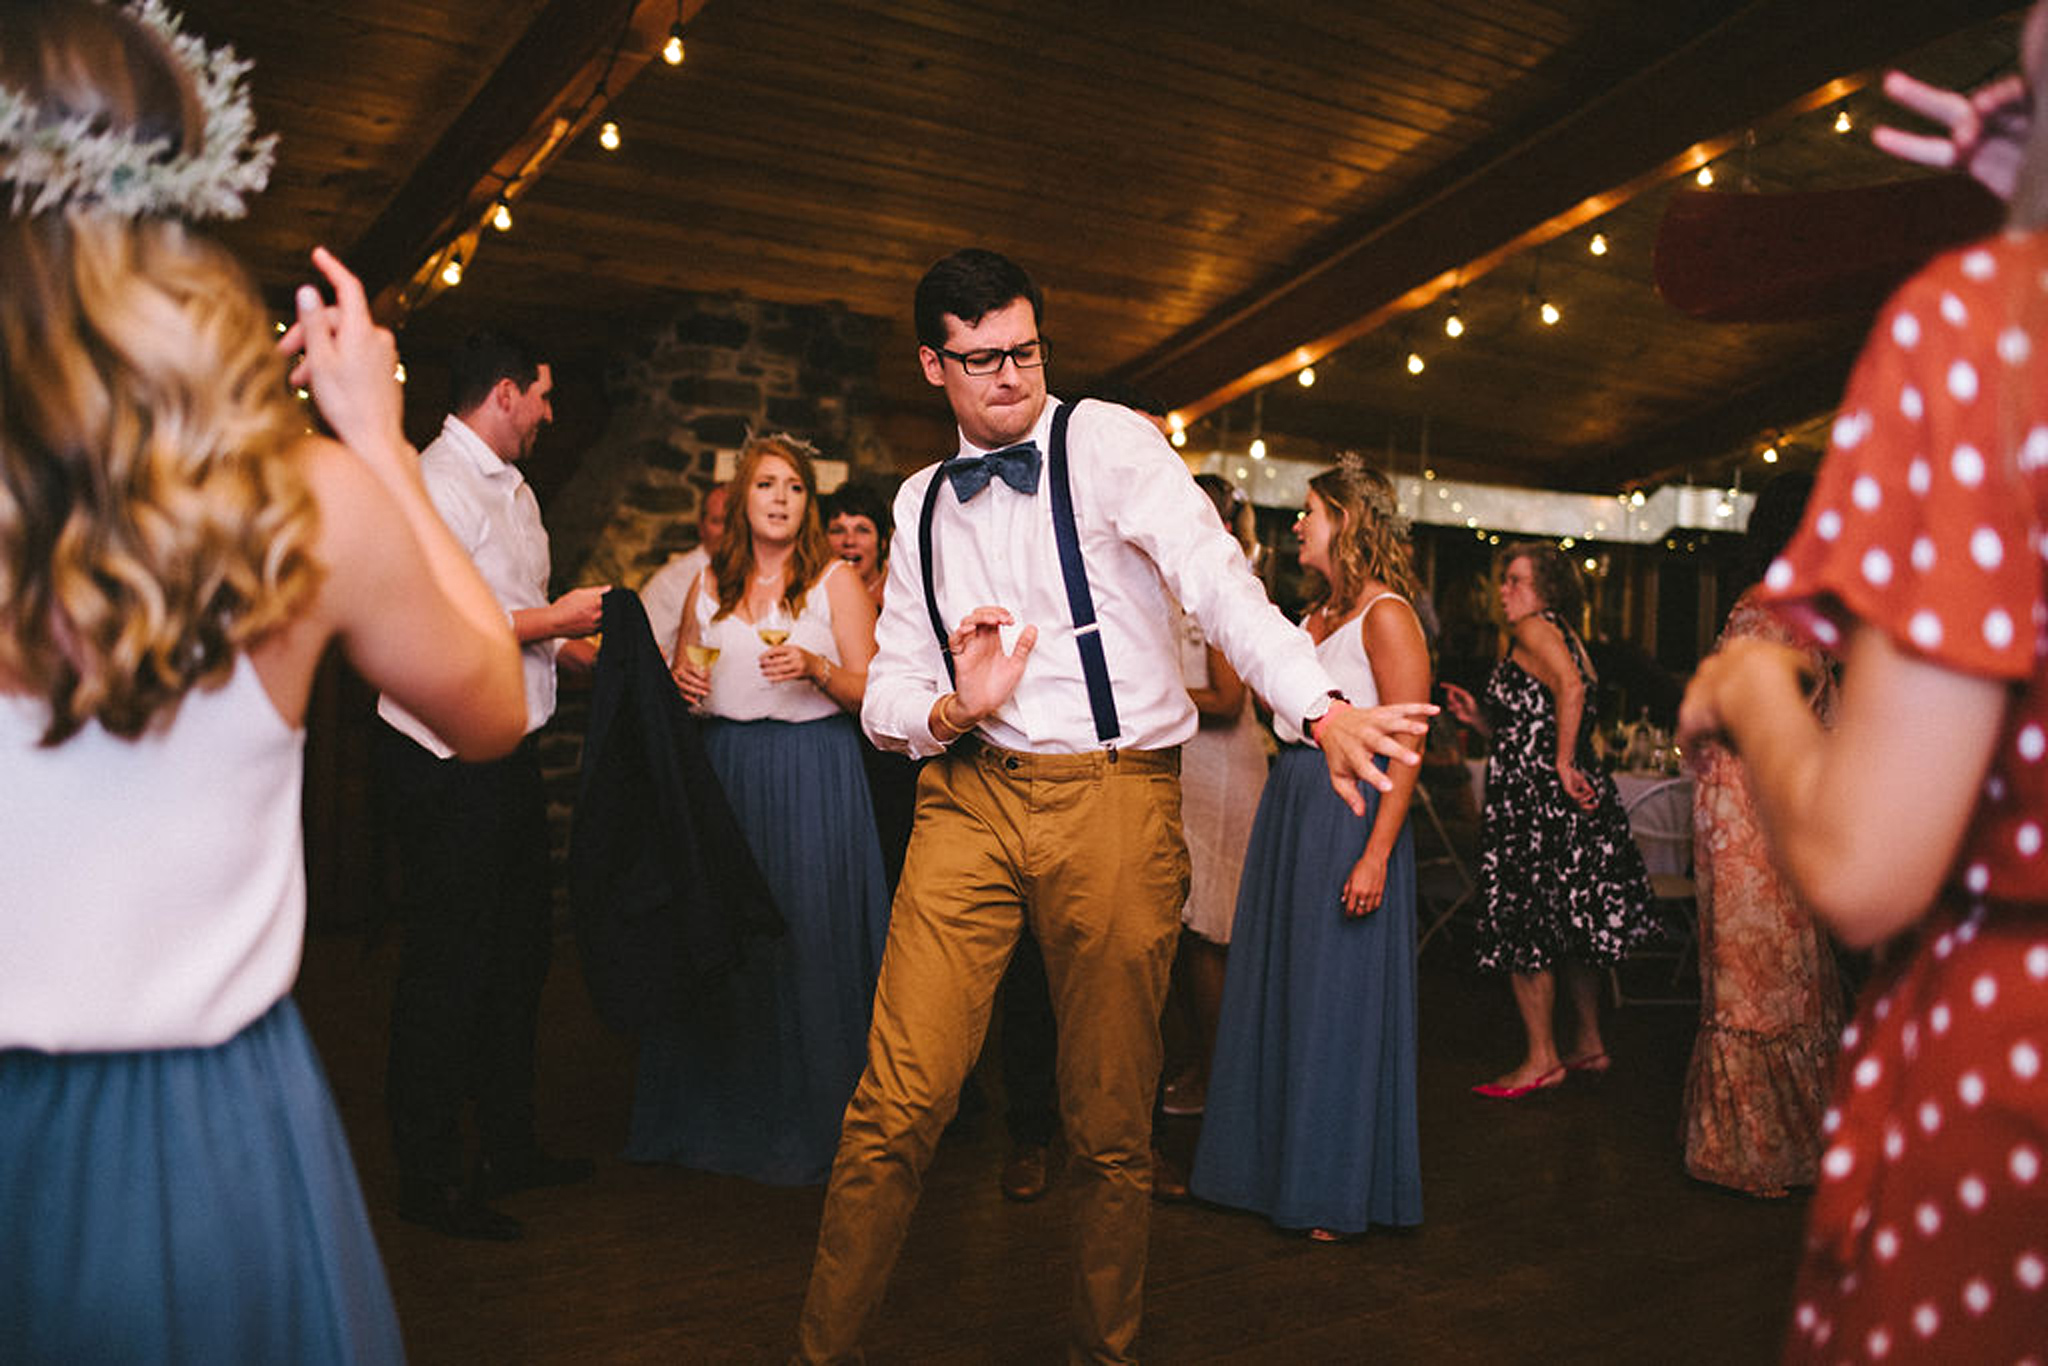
(1311, 1115)
(176, 555)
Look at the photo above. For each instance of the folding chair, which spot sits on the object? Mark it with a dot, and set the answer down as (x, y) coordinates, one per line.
(1660, 819)
(1446, 860)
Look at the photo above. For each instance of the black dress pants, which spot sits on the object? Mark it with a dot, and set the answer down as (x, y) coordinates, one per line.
(472, 848)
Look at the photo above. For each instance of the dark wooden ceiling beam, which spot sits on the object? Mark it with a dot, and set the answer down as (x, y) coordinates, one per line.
(1772, 58)
(549, 74)
(1698, 447)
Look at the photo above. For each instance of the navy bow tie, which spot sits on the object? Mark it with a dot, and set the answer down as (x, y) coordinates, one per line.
(1016, 466)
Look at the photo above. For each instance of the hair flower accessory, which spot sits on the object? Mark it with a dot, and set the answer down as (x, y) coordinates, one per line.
(1372, 493)
(50, 162)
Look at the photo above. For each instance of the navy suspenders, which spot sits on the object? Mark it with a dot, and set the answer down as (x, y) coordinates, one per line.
(1080, 602)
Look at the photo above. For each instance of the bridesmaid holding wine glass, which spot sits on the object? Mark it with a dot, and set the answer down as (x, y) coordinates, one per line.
(773, 650)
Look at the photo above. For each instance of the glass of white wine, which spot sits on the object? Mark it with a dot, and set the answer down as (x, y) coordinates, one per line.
(703, 657)
(773, 628)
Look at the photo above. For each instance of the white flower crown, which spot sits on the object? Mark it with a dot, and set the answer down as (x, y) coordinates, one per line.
(54, 162)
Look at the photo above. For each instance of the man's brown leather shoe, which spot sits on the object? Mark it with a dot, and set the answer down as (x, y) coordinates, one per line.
(1025, 1174)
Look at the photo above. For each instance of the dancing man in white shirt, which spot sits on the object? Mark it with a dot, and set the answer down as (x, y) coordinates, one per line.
(472, 839)
(1053, 795)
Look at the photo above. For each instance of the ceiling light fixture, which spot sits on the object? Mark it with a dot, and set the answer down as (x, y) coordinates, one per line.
(1705, 177)
(608, 136)
(1454, 326)
(1306, 376)
(1598, 246)
(501, 215)
(451, 274)
(1843, 123)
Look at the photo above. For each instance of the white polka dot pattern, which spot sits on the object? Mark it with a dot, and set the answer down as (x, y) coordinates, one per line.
(1962, 382)
(1929, 1225)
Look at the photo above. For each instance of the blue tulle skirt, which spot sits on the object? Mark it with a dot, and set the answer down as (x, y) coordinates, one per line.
(754, 1082)
(187, 1205)
(1311, 1116)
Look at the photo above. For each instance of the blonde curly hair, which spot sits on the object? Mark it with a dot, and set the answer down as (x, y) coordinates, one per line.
(1371, 541)
(152, 519)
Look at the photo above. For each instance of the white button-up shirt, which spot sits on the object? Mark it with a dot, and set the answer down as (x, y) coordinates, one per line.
(487, 505)
(1146, 531)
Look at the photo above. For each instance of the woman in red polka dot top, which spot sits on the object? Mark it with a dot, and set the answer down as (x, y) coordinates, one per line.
(1921, 816)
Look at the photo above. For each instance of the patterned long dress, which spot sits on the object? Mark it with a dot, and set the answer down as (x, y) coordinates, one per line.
(1556, 881)
(1770, 999)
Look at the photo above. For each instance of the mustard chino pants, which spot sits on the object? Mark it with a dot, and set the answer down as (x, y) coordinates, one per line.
(1087, 850)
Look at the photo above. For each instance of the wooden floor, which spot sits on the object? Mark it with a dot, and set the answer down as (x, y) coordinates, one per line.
(1558, 1229)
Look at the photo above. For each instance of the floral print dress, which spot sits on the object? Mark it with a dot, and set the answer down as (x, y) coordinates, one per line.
(1770, 999)
(1556, 881)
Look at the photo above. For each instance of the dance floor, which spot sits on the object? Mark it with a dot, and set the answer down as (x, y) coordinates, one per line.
(1560, 1228)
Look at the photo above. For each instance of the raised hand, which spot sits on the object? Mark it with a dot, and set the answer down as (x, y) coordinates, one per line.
(983, 675)
(349, 363)
(1987, 128)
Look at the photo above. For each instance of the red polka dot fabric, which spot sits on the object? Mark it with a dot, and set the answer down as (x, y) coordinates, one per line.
(1928, 1233)
(1926, 521)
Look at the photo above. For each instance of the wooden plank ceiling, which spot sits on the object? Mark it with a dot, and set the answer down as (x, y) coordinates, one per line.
(1202, 188)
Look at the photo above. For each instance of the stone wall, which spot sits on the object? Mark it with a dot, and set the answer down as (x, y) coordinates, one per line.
(696, 383)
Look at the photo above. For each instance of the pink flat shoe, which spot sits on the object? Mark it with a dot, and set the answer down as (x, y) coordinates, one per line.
(1495, 1091)
(1592, 1062)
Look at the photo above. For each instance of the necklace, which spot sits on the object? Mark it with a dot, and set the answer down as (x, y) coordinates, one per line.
(774, 576)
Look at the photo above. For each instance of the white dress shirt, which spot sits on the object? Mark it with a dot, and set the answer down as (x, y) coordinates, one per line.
(1146, 531)
(663, 595)
(487, 505)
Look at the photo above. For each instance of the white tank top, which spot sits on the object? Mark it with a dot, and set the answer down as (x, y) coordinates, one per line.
(1342, 653)
(153, 891)
(738, 692)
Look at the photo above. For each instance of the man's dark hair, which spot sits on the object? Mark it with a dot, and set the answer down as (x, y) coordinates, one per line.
(482, 360)
(1779, 509)
(970, 284)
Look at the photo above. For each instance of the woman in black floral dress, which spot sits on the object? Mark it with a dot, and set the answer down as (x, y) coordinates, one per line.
(1562, 881)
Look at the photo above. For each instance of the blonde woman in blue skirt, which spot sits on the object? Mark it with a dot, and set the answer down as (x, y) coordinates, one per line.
(1311, 1115)
(176, 555)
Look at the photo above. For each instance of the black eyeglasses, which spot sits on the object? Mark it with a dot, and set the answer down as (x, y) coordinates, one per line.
(1029, 356)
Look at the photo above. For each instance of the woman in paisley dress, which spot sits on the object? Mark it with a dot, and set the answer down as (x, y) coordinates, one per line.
(1770, 998)
(1562, 882)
